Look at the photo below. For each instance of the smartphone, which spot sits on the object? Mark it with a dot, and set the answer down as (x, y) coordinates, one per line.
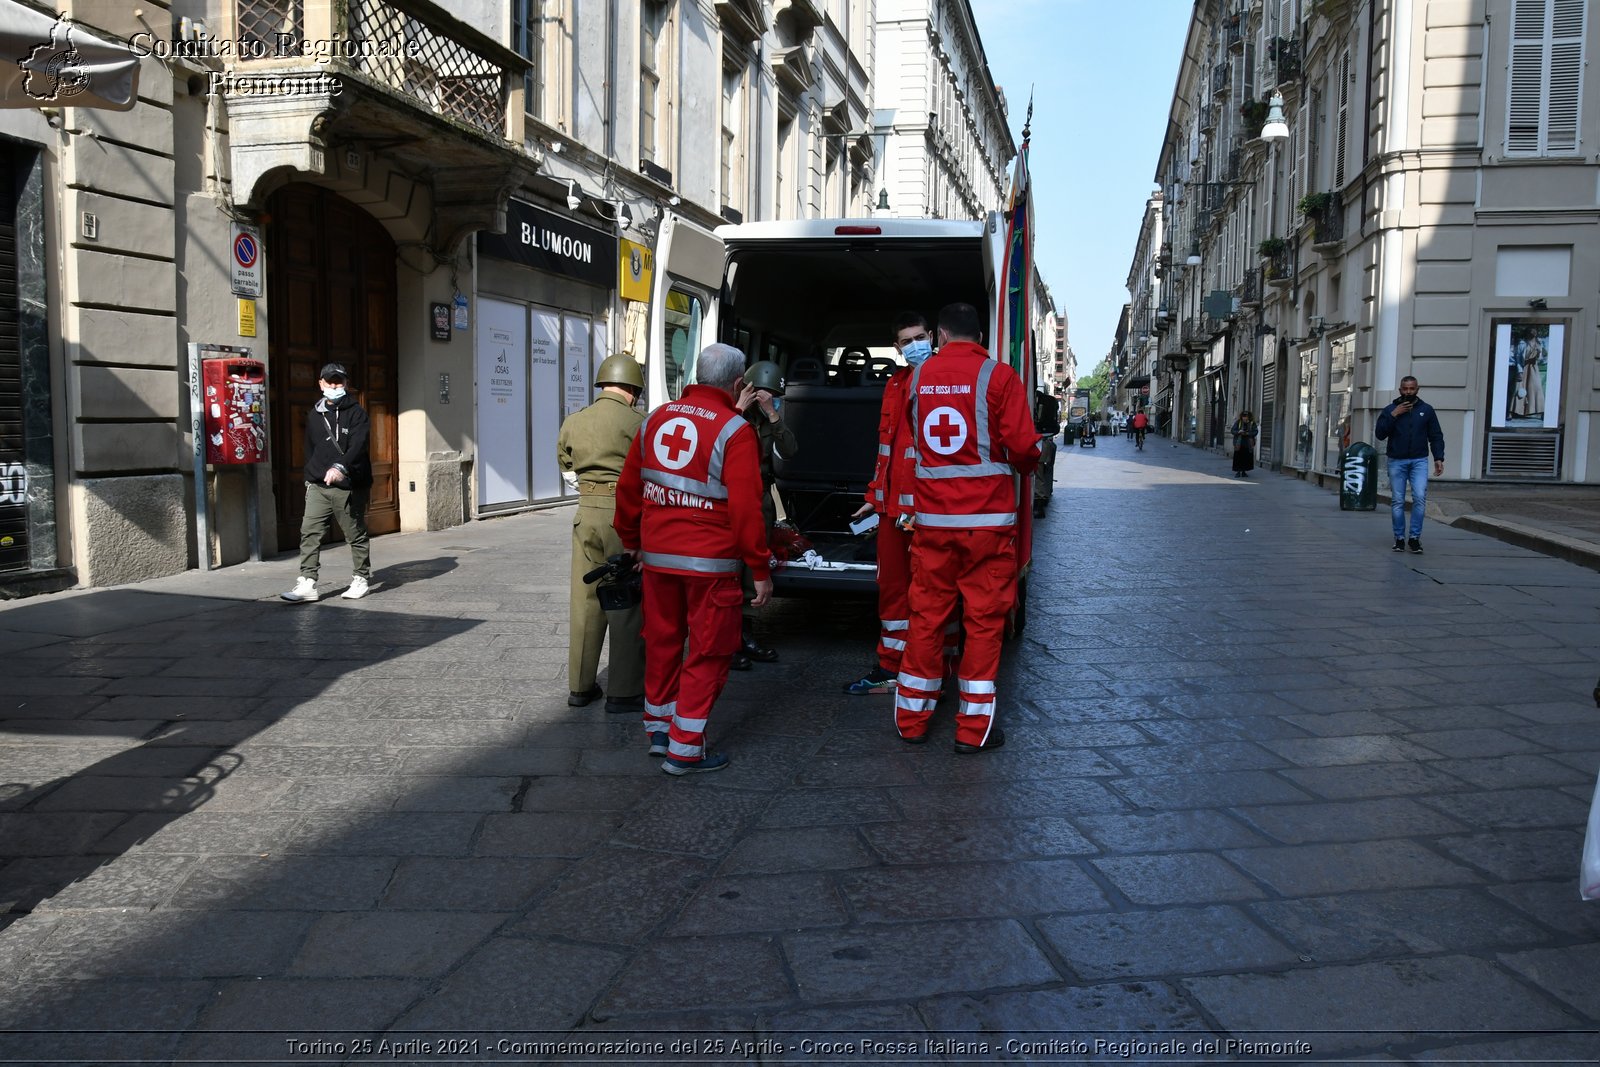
(862, 525)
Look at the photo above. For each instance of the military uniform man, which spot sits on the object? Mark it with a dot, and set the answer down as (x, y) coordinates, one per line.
(763, 386)
(592, 447)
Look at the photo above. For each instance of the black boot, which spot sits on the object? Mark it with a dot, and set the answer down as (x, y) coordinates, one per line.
(752, 649)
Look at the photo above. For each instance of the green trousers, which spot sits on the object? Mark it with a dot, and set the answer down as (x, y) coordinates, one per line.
(593, 540)
(325, 506)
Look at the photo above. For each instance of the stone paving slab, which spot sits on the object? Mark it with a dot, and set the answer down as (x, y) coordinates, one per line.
(1303, 787)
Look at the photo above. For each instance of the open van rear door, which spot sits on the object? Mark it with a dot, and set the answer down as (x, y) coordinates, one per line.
(684, 296)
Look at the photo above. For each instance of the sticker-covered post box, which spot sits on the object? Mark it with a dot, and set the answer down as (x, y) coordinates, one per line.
(235, 397)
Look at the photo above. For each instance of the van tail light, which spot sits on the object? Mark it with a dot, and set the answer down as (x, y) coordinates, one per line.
(858, 231)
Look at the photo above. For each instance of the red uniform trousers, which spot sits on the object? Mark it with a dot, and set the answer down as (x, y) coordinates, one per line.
(978, 568)
(894, 608)
(680, 687)
(894, 602)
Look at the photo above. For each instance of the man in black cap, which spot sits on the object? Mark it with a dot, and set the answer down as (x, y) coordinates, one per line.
(338, 479)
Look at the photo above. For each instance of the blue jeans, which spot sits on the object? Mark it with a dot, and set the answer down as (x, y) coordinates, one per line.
(1414, 471)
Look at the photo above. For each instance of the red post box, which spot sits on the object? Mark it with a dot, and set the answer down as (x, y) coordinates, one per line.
(235, 410)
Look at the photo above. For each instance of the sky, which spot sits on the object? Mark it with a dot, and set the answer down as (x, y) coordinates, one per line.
(1101, 73)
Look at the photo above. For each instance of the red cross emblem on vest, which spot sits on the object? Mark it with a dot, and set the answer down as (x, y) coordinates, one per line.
(675, 443)
(945, 430)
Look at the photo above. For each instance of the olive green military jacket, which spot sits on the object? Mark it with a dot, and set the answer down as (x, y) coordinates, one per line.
(594, 443)
(772, 438)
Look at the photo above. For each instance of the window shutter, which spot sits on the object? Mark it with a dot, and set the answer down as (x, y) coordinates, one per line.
(1342, 132)
(1545, 80)
(1566, 75)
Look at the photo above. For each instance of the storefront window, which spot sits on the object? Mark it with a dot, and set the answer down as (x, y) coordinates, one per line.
(1341, 370)
(684, 312)
(1305, 440)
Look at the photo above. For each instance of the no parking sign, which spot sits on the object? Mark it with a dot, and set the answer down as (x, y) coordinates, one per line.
(246, 257)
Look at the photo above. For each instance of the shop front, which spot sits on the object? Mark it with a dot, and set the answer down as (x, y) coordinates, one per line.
(546, 292)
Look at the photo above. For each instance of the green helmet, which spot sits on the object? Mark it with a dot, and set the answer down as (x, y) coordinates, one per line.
(765, 375)
(619, 370)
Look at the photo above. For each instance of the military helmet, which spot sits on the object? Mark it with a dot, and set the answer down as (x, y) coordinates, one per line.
(620, 369)
(765, 375)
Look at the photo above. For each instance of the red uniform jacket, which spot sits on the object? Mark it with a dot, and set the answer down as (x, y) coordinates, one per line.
(974, 433)
(891, 490)
(690, 492)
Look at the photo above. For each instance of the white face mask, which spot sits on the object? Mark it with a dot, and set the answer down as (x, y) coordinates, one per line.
(916, 351)
(333, 393)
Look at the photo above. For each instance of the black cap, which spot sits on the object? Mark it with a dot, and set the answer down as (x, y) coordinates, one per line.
(330, 371)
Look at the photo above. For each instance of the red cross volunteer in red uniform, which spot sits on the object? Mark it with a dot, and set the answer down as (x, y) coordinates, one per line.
(890, 495)
(973, 429)
(689, 509)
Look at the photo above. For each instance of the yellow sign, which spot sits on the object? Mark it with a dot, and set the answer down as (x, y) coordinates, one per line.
(637, 264)
(247, 317)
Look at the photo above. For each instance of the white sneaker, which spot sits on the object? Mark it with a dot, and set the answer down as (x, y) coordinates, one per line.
(357, 590)
(304, 591)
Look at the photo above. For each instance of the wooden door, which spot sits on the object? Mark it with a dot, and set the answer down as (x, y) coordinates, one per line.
(331, 298)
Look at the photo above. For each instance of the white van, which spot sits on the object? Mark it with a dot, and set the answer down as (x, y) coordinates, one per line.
(819, 298)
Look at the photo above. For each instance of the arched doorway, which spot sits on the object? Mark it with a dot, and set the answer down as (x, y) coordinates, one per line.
(331, 298)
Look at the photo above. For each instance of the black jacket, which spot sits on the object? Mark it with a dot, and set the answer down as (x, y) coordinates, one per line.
(336, 436)
(1410, 435)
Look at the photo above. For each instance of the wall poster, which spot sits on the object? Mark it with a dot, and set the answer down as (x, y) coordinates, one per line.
(502, 386)
(544, 386)
(576, 368)
(1527, 360)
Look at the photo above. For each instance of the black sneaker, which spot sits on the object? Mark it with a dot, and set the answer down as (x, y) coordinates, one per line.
(1415, 546)
(1399, 544)
(739, 662)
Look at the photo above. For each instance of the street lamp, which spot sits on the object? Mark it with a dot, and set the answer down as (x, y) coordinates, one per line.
(1276, 128)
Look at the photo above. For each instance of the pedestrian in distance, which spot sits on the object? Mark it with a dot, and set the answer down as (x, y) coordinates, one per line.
(1411, 427)
(973, 432)
(761, 402)
(338, 476)
(689, 510)
(890, 496)
(590, 449)
(1139, 425)
(1245, 430)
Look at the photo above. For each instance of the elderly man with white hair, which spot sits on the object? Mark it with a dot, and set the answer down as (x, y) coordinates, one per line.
(689, 510)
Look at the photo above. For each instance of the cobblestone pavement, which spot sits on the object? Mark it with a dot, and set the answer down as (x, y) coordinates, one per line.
(1265, 781)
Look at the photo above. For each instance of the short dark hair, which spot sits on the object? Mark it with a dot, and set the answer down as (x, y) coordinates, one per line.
(907, 319)
(1409, 378)
(960, 322)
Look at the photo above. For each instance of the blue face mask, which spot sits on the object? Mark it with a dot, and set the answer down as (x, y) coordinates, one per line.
(333, 394)
(917, 351)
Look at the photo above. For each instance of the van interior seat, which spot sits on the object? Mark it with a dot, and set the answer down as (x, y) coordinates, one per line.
(881, 369)
(851, 367)
(804, 370)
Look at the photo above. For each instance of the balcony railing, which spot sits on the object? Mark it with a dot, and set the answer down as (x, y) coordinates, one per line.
(1249, 288)
(1324, 215)
(1208, 118)
(412, 47)
(1233, 31)
(1279, 270)
(1285, 52)
(1221, 75)
(1197, 332)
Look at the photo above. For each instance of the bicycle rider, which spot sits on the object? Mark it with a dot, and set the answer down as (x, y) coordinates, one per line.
(1140, 423)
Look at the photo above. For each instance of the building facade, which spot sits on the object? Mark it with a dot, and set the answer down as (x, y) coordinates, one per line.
(461, 204)
(1430, 213)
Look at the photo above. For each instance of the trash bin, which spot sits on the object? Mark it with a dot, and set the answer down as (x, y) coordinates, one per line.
(1358, 482)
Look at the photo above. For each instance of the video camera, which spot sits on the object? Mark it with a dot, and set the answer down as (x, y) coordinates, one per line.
(621, 586)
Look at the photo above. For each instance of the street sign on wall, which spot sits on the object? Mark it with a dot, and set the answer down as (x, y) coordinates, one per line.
(246, 258)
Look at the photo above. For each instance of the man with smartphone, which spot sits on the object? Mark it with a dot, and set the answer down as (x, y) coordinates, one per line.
(1412, 429)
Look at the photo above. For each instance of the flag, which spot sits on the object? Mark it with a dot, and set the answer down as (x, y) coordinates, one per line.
(53, 62)
(1018, 269)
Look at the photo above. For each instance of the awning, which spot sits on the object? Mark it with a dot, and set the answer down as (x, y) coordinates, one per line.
(1137, 381)
(51, 61)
